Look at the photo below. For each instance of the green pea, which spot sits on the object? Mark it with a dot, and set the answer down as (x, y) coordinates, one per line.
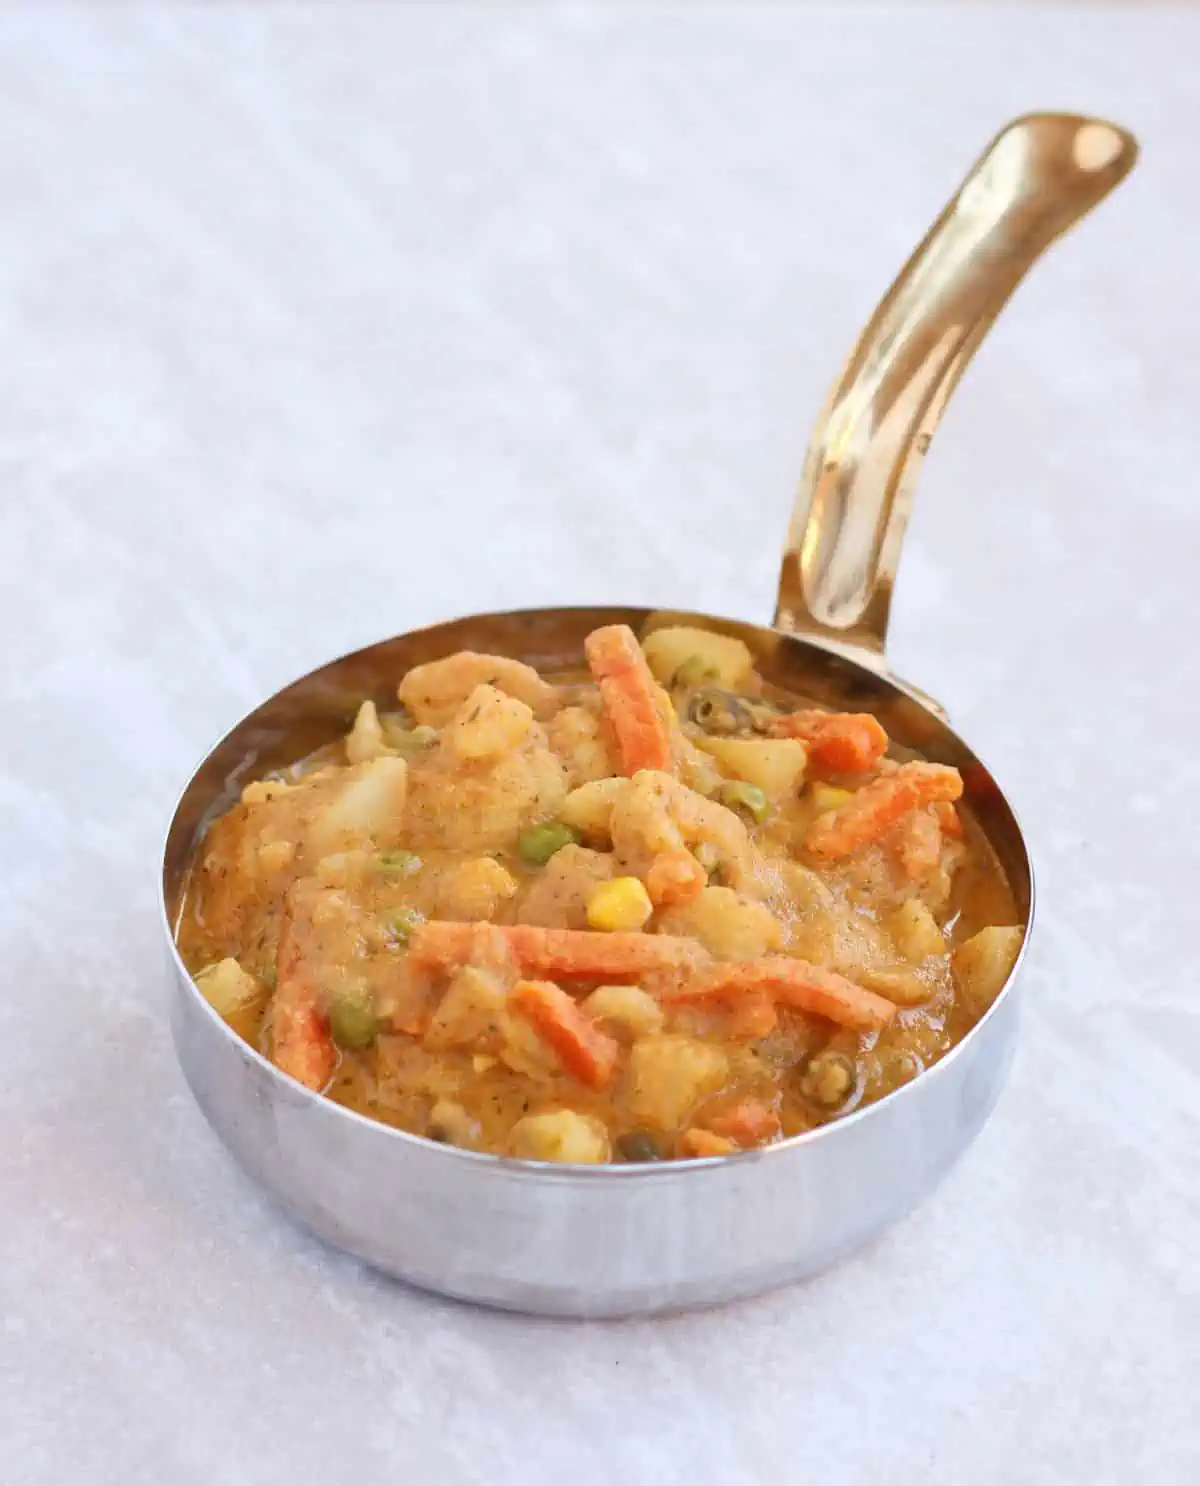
(638, 1145)
(402, 921)
(398, 863)
(739, 795)
(694, 671)
(539, 843)
(352, 1022)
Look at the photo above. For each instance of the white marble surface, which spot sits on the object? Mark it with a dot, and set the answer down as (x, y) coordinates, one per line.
(321, 324)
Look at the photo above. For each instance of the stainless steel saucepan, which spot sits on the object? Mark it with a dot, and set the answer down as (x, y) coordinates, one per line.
(613, 1240)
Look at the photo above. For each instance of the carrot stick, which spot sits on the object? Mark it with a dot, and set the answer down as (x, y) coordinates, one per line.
(630, 696)
(749, 1122)
(877, 807)
(675, 877)
(838, 742)
(572, 954)
(585, 1052)
(300, 1042)
(789, 982)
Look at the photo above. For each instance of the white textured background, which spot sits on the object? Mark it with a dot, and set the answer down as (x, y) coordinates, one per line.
(320, 324)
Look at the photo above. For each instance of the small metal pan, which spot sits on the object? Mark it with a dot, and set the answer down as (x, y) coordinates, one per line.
(614, 1240)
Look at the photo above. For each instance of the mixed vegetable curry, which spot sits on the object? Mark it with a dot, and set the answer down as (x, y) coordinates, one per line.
(663, 911)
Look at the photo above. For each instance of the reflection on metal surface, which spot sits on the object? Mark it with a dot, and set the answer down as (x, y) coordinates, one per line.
(1037, 178)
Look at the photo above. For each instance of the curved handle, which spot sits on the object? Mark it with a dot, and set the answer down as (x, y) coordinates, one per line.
(1037, 178)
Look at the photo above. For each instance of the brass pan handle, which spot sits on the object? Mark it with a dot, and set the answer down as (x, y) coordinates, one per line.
(1038, 177)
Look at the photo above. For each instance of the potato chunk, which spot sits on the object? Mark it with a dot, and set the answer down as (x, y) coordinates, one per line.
(589, 808)
(670, 1075)
(561, 1135)
(667, 649)
(470, 1011)
(776, 766)
(227, 987)
(983, 963)
(367, 804)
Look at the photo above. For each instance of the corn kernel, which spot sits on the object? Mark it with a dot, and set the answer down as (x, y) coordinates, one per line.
(622, 904)
(829, 797)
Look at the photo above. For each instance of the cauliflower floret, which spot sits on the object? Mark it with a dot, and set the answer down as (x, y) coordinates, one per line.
(670, 1075)
(579, 738)
(657, 814)
(915, 931)
(434, 692)
(561, 1135)
(365, 739)
(558, 898)
(488, 725)
(368, 802)
(482, 807)
(627, 1010)
(474, 890)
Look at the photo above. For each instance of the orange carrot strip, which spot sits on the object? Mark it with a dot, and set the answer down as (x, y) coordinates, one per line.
(789, 982)
(572, 954)
(877, 807)
(630, 696)
(585, 1052)
(748, 1122)
(838, 742)
(675, 877)
(300, 1042)
(700, 1143)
